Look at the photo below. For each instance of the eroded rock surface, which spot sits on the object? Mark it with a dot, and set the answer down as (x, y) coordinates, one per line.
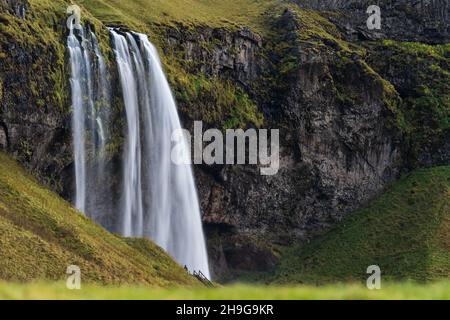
(425, 21)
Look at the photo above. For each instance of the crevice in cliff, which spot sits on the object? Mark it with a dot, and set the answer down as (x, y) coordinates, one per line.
(4, 137)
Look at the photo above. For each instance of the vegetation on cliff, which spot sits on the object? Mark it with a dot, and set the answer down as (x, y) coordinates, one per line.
(32, 49)
(141, 14)
(421, 75)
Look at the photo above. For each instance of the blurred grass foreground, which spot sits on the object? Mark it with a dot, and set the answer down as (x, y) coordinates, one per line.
(389, 291)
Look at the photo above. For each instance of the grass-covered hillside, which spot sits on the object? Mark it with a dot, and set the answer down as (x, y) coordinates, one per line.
(41, 235)
(214, 13)
(405, 232)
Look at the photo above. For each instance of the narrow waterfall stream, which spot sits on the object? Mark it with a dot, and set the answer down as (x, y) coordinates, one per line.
(158, 198)
(90, 104)
(132, 217)
(78, 87)
(99, 117)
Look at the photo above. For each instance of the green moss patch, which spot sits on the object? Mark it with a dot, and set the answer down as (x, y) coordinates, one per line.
(216, 101)
(421, 75)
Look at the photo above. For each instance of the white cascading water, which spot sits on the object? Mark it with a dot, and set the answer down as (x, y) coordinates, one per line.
(89, 90)
(168, 212)
(78, 88)
(132, 216)
(159, 199)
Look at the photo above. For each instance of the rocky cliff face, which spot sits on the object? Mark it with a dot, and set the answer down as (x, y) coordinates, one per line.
(218, 52)
(425, 21)
(34, 122)
(338, 104)
(339, 146)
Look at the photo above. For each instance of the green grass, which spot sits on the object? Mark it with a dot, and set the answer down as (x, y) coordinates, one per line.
(405, 232)
(214, 13)
(397, 291)
(41, 235)
(46, 70)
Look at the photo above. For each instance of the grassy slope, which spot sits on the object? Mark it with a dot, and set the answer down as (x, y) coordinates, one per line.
(214, 13)
(396, 291)
(41, 234)
(405, 231)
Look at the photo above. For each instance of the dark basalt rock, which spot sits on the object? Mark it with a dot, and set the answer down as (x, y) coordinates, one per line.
(425, 21)
(34, 127)
(335, 155)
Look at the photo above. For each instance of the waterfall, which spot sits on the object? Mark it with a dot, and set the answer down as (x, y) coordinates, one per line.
(132, 193)
(90, 90)
(77, 83)
(101, 116)
(99, 200)
(159, 197)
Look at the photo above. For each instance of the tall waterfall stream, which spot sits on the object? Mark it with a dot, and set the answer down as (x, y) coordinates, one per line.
(158, 198)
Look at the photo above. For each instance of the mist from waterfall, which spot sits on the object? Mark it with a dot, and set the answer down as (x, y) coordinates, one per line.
(158, 198)
(100, 116)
